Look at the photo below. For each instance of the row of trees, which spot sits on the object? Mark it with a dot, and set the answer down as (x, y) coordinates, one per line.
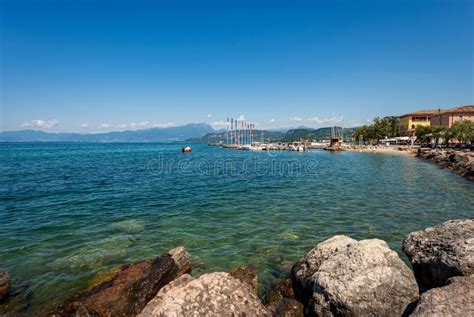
(379, 129)
(461, 131)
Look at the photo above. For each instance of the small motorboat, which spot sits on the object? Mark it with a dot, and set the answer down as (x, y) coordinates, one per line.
(186, 149)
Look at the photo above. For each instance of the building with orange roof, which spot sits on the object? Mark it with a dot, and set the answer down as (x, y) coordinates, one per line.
(446, 118)
(409, 121)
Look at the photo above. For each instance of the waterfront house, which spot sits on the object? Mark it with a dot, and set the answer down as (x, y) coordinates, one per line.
(447, 118)
(409, 121)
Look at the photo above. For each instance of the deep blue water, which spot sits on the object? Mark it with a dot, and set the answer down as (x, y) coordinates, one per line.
(70, 210)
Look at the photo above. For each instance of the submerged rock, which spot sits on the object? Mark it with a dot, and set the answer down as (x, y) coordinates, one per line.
(96, 253)
(214, 294)
(441, 252)
(345, 277)
(455, 299)
(283, 289)
(130, 226)
(128, 291)
(4, 285)
(247, 274)
(286, 307)
(102, 277)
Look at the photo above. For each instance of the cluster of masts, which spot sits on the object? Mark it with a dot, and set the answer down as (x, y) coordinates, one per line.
(240, 132)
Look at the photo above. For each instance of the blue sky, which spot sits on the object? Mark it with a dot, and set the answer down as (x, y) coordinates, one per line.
(89, 66)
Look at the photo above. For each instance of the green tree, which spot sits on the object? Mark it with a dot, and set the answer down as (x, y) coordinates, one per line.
(385, 127)
(439, 132)
(423, 133)
(379, 129)
(463, 131)
(363, 132)
(394, 123)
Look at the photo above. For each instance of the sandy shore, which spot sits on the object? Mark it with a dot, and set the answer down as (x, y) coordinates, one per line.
(410, 151)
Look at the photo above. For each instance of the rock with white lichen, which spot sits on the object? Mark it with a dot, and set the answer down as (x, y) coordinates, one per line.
(454, 299)
(214, 294)
(440, 252)
(345, 277)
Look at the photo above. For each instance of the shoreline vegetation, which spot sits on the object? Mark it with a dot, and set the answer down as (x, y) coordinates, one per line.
(340, 276)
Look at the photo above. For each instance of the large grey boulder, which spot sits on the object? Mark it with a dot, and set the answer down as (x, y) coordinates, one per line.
(455, 299)
(345, 277)
(4, 285)
(303, 270)
(214, 294)
(441, 252)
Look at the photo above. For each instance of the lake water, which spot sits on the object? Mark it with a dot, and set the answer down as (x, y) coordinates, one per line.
(70, 210)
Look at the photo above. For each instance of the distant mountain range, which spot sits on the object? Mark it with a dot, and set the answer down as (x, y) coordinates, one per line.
(290, 135)
(191, 133)
(171, 134)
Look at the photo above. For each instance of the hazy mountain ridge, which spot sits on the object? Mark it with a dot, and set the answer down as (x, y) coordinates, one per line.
(192, 133)
(178, 133)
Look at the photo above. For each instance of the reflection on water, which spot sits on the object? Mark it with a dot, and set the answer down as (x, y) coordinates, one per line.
(70, 210)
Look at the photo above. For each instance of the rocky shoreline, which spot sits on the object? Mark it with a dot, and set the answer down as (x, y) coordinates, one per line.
(460, 162)
(340, 276)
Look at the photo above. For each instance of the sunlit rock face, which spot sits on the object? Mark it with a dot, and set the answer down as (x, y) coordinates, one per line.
(211, 294)
(454, 299)
(345, 277)
(440, 252)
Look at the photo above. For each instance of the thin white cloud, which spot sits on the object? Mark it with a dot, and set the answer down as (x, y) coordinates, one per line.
(103, 126)
(133, 125)
(318, 120)
(42, 124)
(241, 117)
(219, 124)
(84, 125)
(209, 115)
(163, 125)
(144, 125)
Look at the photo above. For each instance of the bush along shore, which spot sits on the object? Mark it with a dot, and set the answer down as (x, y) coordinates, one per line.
(340, 276)
(460, 162)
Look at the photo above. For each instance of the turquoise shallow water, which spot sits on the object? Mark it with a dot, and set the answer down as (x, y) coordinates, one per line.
(70, 210)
